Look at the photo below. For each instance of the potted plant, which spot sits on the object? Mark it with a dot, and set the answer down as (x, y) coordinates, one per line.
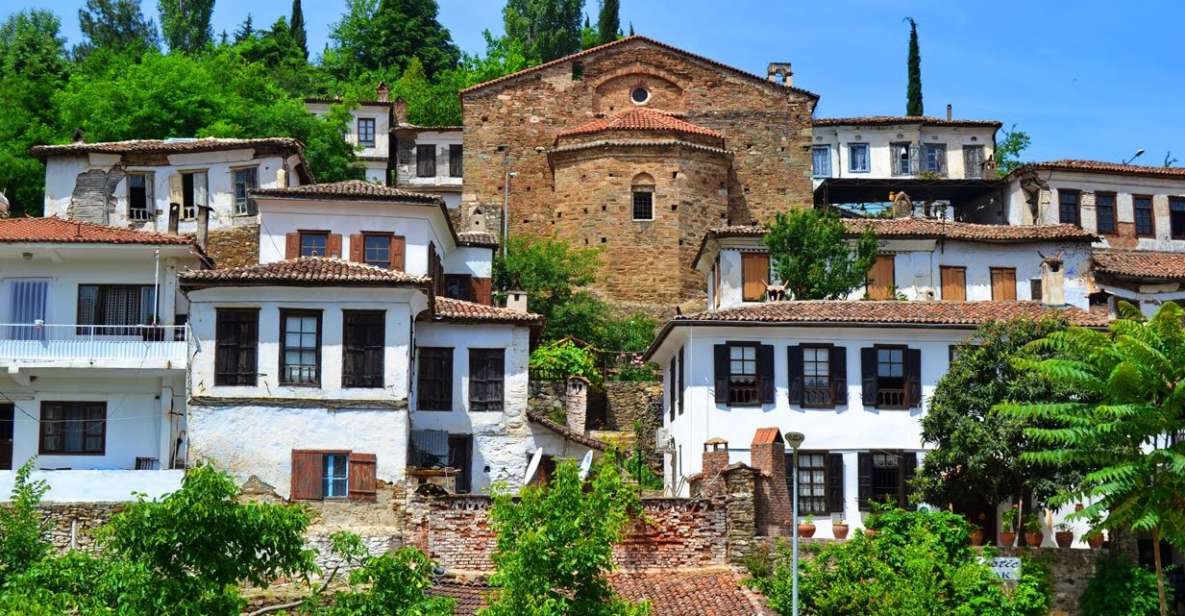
(1094, 538)
(839, 529)
(1033, 534)
(806, 528)
(1064, 535)
(976, 535)
(1008, 526)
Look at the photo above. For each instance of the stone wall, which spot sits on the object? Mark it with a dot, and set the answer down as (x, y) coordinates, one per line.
(72, 525)
(234, 246)
(623, 402)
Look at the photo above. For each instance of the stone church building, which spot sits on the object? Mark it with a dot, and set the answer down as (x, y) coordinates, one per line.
(637, 148)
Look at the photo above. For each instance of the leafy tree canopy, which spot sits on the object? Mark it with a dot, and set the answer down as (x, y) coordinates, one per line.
(115, 24)
(1008, 148)
(811, 254)
(186, 24)
(546, 29)
(385, 35)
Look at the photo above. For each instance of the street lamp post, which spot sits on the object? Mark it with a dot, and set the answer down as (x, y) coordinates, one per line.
(1139, 153)
(794, 440)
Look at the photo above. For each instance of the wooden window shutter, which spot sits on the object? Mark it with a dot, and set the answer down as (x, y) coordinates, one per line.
(909, 465)
(913, 377)
(794, 362)
(1003, 284)
(720, 352)
(868, 376)
(672, 389)
(483, 290)
(398, 249)
(362, 478)
(834, 474)
(954, 283)
(291, 245)
(357, 244)
(839, 375)
(864, 480)
(333, 246)
(765, 372)
(680, 386)
(881, 278)
(754, 275)
(306, 475)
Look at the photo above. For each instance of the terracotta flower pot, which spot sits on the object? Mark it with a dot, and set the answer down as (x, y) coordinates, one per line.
(870, 532)
(977, 537)
(1094, 541)
(1034, 540)
(840, 531)
(1007, 538)
(806, 530)
(1064, 538)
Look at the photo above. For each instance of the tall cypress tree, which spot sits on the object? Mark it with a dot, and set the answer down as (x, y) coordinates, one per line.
(186, 24)
(547, 29)
(296, 25)
(609, 21)
(913, 104)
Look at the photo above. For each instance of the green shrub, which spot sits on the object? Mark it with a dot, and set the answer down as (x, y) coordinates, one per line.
(556, 361)
(1118, 588)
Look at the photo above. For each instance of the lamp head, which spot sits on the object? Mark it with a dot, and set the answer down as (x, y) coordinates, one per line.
(794, 439)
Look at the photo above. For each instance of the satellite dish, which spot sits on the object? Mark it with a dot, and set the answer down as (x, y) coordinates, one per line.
(533, 467)
(586, 465)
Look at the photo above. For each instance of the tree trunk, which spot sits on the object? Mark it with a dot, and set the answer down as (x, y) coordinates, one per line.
(1164, 607)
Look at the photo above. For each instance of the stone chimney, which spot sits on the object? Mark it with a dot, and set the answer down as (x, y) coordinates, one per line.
(576, 404)
(780, 71)
(714, 461)
(767, 454)
(383, 92)
(400, 112)
(516, 301)
(281, 178)
(950, 112)
(203, 226)
(1053, 280)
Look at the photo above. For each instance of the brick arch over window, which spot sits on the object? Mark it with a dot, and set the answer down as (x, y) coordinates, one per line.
(612, 95)
(642, 196)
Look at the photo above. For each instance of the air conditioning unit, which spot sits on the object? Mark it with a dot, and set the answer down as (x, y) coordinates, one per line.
(663, 443)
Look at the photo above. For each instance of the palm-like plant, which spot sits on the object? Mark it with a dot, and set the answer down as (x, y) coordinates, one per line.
(1126, 424)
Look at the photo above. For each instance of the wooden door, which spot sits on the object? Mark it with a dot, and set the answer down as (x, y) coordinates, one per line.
(954, 283)
(1003, 284)
(880, 278)
(7, 416)
(754, 275)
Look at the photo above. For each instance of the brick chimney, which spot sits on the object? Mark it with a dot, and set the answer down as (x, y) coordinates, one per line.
(576, 404)
(780, 70)
(1053, 280)
(767, 454)
(400, 112)
(383, 92)
(516, 301)
(715, 459)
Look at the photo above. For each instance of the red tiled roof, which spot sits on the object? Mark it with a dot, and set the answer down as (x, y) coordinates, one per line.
(631, 39)
(893, 312)
(639, 119)
(924, 227)
(564, 431)
(305, 271)
(638, 143)
(337, 99)
(706, 592)
(766, 436)
(1145, 264)
(1098, 166)
(885, 120)
(483, 239)
(164, 146)
(352, 190)
(57, 231)
(449, 309)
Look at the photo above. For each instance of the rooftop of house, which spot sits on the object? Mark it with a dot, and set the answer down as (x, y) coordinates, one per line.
(53, 230)
(165, 146)
(885, 120)
(1099, 166)
(542, 419)
(305, 271)
(639, 119)
(449, 309)
(1140, 264)
(333, 100)
(349, 190)
(481, 239)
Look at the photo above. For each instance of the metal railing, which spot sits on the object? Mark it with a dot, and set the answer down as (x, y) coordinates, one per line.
(77, 344)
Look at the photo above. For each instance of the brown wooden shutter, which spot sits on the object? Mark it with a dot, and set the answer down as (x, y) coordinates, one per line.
(291, 245)
(834, 474)
(839, 375)
(720, 351)
(909, 465)
(357, 242)
(765, 372)
(913, 377)
(333, 246)
(880, 278)
(398, 249)
(754, 275)
(483, 290)
(868, 376)
(1003, 284)
(794, 373)
(954, 283)
(864, 479)
(306, 475)
(362, 477)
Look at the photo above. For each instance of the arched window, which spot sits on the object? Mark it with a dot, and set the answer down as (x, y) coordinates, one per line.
(642, 188)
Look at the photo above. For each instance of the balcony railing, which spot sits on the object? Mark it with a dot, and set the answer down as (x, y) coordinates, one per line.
(99, 346)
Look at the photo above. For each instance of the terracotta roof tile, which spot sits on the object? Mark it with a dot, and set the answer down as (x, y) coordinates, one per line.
(564, 431)
(477, 238)
(1098, 166)
(885, 120)
(58, 231)
(639, 119)
(767, 436)
(354, 190)
(164, 146)
(1145, 264)
(305, 271)
(892, 313)
(449, 309)
(929, 228)
(638, 143)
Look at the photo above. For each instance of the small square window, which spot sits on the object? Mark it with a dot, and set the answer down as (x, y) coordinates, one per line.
(821, 161)
(643, 205)
(335, 475)
(366, 132)
(1145, 223)
(858, 157)
(902, 158)
(376, 250)
(313, 244)
(300, 357)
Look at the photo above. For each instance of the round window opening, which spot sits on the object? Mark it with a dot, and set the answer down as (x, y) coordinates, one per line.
(640, 95)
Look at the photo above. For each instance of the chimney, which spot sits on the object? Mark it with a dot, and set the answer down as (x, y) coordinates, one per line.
(516, 301)
(383, 92)
(714, 461)
(780, 70)
(767, 454)
(950, 112)
(576, 404)
(281, 178)
(400, 112)
(203, 226)
(79, 136)
(1053, 280)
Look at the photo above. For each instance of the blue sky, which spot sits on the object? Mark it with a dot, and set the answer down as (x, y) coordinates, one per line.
(1089, 80)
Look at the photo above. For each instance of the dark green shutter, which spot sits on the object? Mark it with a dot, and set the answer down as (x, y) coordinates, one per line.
(839, 375)
(909, 465)
(720, 351)
(835, 483)
(868, 376)
(765, 372)
(864, 465)
(913, 377)
(794, 361)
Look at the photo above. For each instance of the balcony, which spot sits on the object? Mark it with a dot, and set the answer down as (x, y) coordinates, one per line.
(159, 347)
(98, 486)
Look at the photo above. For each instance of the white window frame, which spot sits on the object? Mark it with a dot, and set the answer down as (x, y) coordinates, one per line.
(826, 149)
(852, 147)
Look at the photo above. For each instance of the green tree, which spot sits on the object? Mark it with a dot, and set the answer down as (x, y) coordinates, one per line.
(1012, 142)
(609, 21)
(22, 531)
(1122, 423)
(246, 30)
(296, 25)
(547, 29)
(913, 95)
(278, 50)
(589, 37)
(1119, 588)
(555, 545)
(186, 23)
(385, 35)
(115, 24)
(976, 455)
(813, 258)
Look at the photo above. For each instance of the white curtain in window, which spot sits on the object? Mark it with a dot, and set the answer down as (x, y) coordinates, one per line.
(28, 304)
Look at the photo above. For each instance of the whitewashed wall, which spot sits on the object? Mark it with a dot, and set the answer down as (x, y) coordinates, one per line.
(879, 139)
(441, 140)
(62, 171)
(475, 261)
